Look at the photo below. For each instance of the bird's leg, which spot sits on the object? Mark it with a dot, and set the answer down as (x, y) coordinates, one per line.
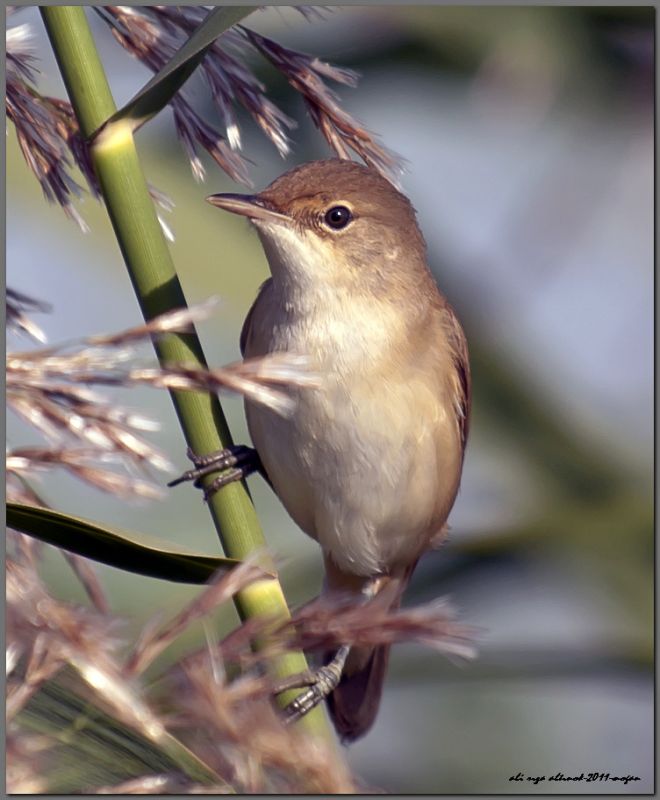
(239, 461)
(324, 680)
(321, 682)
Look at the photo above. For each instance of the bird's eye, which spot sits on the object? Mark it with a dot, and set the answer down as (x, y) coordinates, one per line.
(338, 217)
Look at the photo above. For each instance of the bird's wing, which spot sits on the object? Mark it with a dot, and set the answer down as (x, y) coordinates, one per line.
(461, 377)
(250, 347)
(247, 324)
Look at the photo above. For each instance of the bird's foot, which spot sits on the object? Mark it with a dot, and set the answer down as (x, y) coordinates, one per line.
(235, 463)
(321, 682)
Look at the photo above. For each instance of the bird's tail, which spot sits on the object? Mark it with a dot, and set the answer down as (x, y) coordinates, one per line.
(354, 703)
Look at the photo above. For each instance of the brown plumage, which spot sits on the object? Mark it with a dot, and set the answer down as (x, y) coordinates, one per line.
(370, 463)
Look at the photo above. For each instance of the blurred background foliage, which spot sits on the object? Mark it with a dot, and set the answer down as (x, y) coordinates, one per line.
(529, 139)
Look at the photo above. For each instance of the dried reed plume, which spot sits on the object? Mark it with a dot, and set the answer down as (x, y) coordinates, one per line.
(343, 133)
(45, 128)
(49, 389)
(18, 305)
(230, 727)
(154, 33)
(48, 134)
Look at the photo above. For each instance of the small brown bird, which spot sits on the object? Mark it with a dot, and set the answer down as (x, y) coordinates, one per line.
(369, 464)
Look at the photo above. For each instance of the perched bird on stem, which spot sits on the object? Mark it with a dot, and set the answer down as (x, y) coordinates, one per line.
(370, 462)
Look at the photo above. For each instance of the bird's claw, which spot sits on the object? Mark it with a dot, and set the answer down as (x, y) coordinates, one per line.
(320, 682)
(235, 463)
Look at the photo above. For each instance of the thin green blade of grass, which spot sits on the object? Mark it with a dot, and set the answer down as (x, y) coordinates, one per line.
(158, 92)
(93, 747)
(131, 552)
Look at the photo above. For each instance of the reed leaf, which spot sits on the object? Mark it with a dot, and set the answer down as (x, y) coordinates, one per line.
(131, 552)
(158, 92)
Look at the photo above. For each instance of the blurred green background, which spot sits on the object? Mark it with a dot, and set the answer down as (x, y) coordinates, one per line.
(529, 139)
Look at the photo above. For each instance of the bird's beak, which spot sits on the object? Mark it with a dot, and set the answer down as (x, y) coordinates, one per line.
(247, 205)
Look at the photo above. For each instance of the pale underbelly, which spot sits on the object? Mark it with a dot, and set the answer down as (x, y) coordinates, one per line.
(371, 481)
